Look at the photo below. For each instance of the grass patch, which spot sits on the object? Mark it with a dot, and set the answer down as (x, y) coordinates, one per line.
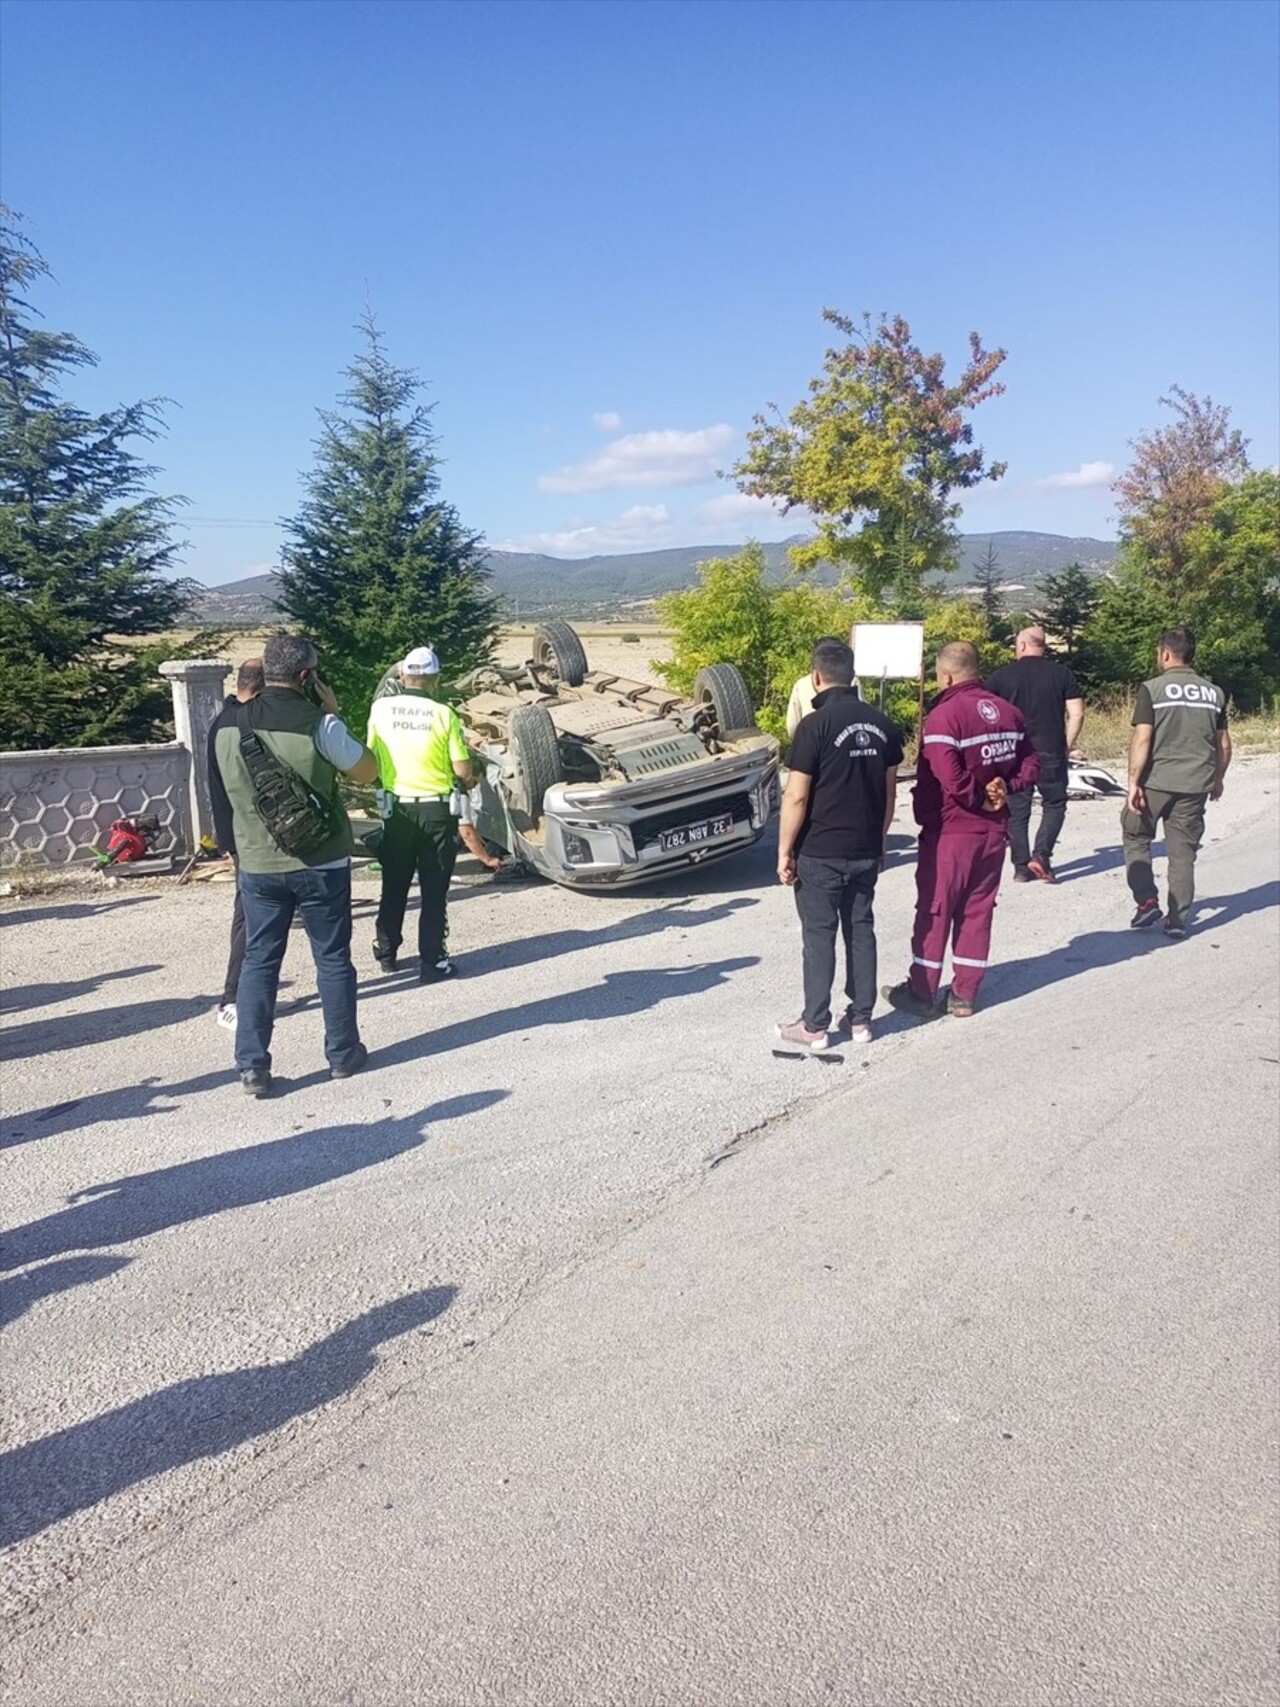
(1107, 729)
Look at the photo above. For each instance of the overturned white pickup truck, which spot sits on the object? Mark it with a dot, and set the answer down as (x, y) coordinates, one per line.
(599, 782)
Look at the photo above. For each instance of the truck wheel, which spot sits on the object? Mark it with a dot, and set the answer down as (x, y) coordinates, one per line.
(531, 737)
(722, 687)
(558, 648)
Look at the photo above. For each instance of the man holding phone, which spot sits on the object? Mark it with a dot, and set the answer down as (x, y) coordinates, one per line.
(295, 719)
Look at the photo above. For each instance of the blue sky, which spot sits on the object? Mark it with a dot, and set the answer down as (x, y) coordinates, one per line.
(604, 234)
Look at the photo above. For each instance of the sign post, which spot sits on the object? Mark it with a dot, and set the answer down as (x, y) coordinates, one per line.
(891, 651)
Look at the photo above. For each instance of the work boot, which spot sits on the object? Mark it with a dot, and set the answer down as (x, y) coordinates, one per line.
(904, 999)
(1039, 867)
(350, 1068)
(960, 1007)
(1022, 874)
(386, 958)
(256, 1082)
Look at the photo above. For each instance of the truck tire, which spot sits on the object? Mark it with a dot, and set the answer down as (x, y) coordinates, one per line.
(557, 645)
(531, 736)
(722, 687)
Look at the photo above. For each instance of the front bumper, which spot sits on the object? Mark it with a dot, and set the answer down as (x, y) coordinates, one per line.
(609, 836)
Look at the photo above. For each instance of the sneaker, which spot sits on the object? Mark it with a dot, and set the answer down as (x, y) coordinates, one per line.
(904, 999)
(1022, 875)
(855, 1030)
(1174, 927)
(256, 1082)
(959, 1007)
(438, 973)
(1041, 868)
(353, 1066)
(1148, 913)
(225, 1014)
(797, 1032)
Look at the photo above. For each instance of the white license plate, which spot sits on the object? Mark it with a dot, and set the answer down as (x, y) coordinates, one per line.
(692, 835)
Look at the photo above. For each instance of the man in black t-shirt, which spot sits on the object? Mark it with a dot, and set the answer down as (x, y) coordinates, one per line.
(831, 837)
(1051, 700)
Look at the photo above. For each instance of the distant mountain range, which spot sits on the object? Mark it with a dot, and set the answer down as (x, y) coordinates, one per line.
(533, 585)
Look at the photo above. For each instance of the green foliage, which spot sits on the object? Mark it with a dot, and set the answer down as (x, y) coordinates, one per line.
(725, 619)
(1169, 490)
(736, 616)
(85, 550)
(1228, 591)
(375, 562)
(874, 454)
(1068, 604)
(991, 598)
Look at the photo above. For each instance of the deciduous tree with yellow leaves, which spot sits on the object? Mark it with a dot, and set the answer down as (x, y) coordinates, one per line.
(875, 453)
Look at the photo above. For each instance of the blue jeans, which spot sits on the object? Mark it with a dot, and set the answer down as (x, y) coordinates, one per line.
(324, 900)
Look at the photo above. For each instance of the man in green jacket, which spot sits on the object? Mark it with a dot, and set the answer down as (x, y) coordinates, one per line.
(295, 718)
(1178, 755)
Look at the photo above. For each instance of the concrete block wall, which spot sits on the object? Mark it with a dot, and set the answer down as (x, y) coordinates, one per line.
(57, 806)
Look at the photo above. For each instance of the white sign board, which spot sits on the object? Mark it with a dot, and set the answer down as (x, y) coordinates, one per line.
(892, 650)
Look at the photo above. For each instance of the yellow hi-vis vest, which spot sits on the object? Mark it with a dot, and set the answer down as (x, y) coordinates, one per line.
(416, 741)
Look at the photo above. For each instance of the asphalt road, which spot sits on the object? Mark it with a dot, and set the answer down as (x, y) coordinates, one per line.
(581, 1351)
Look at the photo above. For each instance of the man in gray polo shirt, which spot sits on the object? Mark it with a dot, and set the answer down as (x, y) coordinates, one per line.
(1178, 756)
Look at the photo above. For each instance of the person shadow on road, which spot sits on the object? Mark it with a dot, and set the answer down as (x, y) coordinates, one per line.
(49, 1479)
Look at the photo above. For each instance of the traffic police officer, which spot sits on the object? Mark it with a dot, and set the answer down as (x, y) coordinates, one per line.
(418, 742)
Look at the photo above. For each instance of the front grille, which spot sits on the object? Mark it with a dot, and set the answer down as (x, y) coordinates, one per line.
(646, 830)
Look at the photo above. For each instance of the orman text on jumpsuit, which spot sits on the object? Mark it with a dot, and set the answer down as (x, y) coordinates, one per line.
(970, 738)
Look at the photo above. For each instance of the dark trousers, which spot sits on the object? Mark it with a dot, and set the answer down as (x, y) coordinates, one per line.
(236, 958)
(1183, 818)
(837, 895)
(323, 898)
(957, 878)
(1052, 786)
(419, 840)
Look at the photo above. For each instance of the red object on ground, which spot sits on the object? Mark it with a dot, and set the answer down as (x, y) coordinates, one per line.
(129, 839)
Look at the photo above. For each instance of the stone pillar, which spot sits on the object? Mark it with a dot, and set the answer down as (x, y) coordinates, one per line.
(198, 693)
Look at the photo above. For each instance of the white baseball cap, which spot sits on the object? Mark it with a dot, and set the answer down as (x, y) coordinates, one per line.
(422, 661)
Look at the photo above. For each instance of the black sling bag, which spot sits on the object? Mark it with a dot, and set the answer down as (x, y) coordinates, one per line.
(298, 820)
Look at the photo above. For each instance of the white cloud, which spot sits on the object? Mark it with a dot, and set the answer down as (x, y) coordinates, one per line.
(1087, 478)
(640, 528)
(665, 458)
(607, 421)
(740, 509)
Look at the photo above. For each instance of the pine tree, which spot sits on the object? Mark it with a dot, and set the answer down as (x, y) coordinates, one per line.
(85, 550)
(1067, 605)
(375, 562)
(990, 597)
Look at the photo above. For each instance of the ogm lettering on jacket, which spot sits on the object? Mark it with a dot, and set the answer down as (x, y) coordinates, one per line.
(1192, 693)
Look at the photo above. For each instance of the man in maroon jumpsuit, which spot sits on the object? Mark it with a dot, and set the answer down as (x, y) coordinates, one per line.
(974, 753)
